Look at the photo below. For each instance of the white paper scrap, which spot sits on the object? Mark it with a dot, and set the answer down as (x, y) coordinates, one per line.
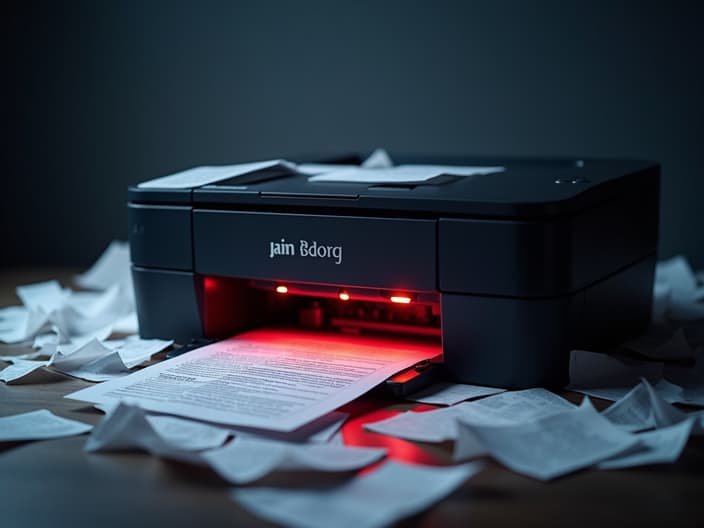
(380, 498)
(379, 159)
(129, 427)
(111, 268)
(633, 412)
(319, 431)
(401, 174)
(245, 460)
(686, 295)
(199, 176)
(268, 378)
(39, 425)
(441, 425)
(311, 169)
(554, 445)
(46, 296)
(451, 393)
(662, 446)
(26, 371)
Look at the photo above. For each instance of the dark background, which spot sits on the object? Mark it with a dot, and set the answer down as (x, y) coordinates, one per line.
(96, 95)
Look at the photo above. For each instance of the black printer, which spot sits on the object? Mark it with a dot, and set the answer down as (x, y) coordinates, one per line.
(507, 271)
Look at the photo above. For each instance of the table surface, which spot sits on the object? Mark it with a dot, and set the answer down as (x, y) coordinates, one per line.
(54, 483)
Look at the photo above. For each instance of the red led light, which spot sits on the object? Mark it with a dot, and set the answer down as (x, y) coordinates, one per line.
(400, 299)
(281, 289)
(344, 296)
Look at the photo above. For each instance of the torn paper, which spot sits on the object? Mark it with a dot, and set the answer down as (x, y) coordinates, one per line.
(380, 498)
(39, 425)
(451, 393)
(554, 445)
(662, 446)
(440, 426)
(129, 427)
(246, 460)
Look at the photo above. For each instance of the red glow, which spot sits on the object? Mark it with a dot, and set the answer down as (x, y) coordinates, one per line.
(210, 284)
(281, 289)
(354, 434)
(400, 299)
(344, 296)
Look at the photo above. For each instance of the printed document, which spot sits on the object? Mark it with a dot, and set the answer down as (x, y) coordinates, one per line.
(270, 378)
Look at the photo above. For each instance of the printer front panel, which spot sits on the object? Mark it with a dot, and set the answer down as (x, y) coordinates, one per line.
(387, 253)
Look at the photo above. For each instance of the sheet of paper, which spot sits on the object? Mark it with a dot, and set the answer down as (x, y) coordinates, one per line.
(665, 414)
(401, 174)
(245, 460)
(662, 446)
(377, 499)
(26, 371)
(46, 296)
(199, 176)
(633, 412)
(39, 425)
(129, 427)
(379, 159)
(271, 379)
(451, 393)
(685, 293)
(127, 324)
(319, 431)
(441, 425)
(111, 268)
(554, 445)
(311, 169)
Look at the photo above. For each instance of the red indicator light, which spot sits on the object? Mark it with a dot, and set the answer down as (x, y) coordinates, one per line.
(400, 299)
(281, 289)
(344, 296)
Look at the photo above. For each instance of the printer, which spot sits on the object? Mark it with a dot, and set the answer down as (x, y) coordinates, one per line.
(505, 270)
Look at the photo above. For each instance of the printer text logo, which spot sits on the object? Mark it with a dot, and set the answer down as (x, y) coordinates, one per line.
(305, 248)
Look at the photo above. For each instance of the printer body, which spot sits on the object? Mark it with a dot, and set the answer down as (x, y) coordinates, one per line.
(507, 272)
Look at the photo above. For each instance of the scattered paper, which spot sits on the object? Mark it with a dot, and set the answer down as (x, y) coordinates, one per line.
(441, 425)
(111, 268)
(662, 446)
(379, 159)
(199, 176)
(92, 361)
(685, 293)
(451, 393)
(271, 379)
(26, 371)
(39, 425)
(245, 460)
(633, 412)
(554, 445)
(129, 427)
(380, 498)
(46, 296)
(319, 431)
(401, 174)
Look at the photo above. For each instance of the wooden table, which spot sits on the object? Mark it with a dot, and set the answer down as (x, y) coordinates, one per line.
(54, 483)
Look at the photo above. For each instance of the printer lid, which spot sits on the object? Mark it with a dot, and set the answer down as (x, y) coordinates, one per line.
(525, 188)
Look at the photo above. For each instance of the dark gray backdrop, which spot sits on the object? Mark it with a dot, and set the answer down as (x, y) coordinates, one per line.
(100, 94)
